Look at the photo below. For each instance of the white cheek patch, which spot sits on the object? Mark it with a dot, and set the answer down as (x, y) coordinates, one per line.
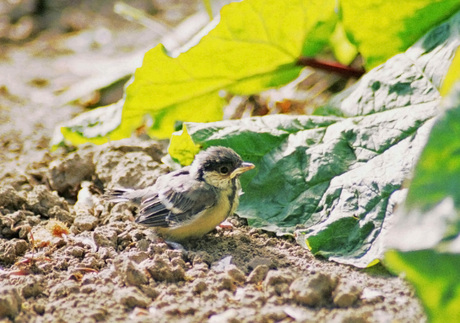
(216, 180)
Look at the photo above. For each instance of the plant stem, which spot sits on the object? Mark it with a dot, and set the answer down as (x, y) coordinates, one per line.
(334, 67)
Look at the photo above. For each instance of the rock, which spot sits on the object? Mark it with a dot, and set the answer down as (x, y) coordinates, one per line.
(277, 282)
(132, 275)
(10, 198)
(60, 214)
(10, 302)
(225, 282)
(105, 237)
(84, 223)
(314, 290)
(229, 316)
(236, 274)
(346, 294)
(63, 289)
(33, 286)
(162, 270)
(65, 175)
(40, 200)
(10, 250)
(257, 261)
(133, 169)
(199, 286)
(131, 297)
(258, 274)
(372, 296)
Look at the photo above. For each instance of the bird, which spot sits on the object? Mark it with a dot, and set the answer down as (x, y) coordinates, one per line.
(190, 202)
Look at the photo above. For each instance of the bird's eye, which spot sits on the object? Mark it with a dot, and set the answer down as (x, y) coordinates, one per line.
(224, 170)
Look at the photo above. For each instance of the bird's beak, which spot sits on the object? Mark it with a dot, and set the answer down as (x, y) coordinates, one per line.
(243, 168)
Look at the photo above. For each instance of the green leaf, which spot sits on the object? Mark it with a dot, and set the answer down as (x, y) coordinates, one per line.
(424, 241)
(435, 277)
(381, 29)
(335, 180)
(254, 47)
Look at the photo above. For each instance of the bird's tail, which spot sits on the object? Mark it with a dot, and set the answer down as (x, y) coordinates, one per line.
(118, 195)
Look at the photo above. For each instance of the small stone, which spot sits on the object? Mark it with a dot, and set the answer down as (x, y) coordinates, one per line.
(277, 282)
(200, 257)
(199, 286)
(225, 282)
(273, 314)
(10, 302)
(85, 223)
(131, 297)
(40, 200)
(257, 261)
(33, 286)
(64, 289)
(134, 276)
(76, 251)
(10, 198)
(60, 214)
(372, 296)
(229, 316)
(105, 237)
(314, 290)
(161, 270)
(66, 174)
(345, 295)
(258, 274)
(236, 274)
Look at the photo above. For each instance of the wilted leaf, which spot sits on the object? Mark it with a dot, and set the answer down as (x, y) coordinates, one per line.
(335, 180)
(381, 29)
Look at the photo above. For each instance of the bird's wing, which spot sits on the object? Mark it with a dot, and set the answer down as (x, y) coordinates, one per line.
(178, 198)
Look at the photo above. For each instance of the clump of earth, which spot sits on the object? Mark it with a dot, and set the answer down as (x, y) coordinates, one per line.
(67, 255)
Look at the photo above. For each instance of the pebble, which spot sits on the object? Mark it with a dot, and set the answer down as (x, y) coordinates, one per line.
(10, 302)
(199, 286)
(277, 282)
(84, 223)
(257, 261)
(236, 274)
(105, 237)
(346, 294)
(131, 297)
(258, 274)
(132, 275)
(33, 286)
(313, 290)
(66, 174)
(40, 200)
(372, 296)
(161, 270)
(10, 198)
(229, 316)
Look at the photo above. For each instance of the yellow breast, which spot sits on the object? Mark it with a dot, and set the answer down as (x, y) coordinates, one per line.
(203, 222)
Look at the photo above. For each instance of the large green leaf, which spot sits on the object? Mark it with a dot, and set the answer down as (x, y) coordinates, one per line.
(335, 180)
(381, 29)
(254, 47)
(425, 239)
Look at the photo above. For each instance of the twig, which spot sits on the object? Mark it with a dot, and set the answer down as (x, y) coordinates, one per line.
(334, 67)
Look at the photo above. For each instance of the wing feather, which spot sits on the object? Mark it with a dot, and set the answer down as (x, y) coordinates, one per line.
(177, 199)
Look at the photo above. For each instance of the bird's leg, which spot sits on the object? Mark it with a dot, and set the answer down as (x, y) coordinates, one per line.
(225, 225)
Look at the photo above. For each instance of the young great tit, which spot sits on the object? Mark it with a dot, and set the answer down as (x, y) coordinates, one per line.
(192, 201)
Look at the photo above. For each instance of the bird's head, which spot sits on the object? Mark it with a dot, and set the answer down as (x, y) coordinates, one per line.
(218, 166)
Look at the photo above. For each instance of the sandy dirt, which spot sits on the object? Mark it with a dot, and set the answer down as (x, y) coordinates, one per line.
(66, 255)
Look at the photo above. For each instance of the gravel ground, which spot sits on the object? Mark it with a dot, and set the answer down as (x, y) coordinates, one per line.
(66, 255)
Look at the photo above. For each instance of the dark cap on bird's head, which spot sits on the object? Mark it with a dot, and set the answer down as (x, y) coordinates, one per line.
(221, 160)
